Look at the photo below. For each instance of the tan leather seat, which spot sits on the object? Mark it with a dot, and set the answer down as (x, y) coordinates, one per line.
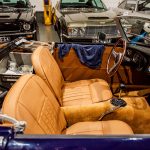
(68, 94)
(31, 100)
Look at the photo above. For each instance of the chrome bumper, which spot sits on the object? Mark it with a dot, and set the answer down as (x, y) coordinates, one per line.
(89, 37)
(16, 33)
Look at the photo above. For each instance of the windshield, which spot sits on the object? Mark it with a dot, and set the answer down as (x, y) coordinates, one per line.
(15, 3)
(129, 4)
(137, 30)
(144, 5)
(98, 4)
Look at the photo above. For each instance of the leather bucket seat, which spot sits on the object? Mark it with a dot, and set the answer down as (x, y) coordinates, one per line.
(81, 93)
(31, 100)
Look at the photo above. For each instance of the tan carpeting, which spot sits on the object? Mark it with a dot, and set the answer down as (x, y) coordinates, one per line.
(136, 113)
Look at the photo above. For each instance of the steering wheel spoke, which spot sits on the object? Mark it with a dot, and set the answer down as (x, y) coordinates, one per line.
(116, 56)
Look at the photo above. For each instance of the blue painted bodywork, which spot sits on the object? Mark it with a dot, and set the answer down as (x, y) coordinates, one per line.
(10, 141)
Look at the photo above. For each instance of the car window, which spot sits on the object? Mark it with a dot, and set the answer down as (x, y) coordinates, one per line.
(83, 4)
(15, 3)
(144, 6)
(130, 5)
(147, 5)
(137, 30)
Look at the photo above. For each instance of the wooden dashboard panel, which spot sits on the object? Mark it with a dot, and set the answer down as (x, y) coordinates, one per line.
(73, 70)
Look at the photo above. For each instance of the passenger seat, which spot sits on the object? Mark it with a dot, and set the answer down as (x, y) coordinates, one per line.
(79, 93)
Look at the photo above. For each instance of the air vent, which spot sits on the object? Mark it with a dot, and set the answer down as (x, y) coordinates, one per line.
(97, 18)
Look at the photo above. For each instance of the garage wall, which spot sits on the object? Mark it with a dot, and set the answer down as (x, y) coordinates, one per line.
(112, 3)
(39, 3)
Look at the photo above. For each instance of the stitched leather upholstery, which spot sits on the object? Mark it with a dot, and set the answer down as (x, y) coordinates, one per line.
(75, 93)
(85, 92)
(31, 100)
(99, 128)
(46, 67)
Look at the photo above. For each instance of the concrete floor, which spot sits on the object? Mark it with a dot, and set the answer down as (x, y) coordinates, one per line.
(46, 33)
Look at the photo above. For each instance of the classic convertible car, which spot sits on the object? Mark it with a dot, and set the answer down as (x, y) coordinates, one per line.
(80, 101)
(17, 18)
(128, 6)
(84, 20)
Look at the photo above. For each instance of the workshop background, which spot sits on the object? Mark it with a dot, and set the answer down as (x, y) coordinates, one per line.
(47, 33)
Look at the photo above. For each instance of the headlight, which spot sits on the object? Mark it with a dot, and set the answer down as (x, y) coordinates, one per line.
(26, 26)
(76, 31)
(82, 31)
(73, 31)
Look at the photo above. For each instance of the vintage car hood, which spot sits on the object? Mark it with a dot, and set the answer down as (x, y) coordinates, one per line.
(106, 16)
(11, 16)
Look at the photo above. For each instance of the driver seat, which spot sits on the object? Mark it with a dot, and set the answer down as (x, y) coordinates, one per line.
(84, 92)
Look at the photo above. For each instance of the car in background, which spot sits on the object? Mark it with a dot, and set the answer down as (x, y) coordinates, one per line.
(128, 6)
(17, 18)
(84, 21)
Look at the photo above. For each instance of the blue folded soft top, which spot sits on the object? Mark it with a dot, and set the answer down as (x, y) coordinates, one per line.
(90, 55)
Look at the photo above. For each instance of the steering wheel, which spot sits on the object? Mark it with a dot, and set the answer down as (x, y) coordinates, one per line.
(116, 56)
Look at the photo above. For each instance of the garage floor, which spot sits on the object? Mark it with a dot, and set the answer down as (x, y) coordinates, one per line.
(46, 33)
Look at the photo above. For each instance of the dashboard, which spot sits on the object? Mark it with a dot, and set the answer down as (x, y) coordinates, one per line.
(137, 58)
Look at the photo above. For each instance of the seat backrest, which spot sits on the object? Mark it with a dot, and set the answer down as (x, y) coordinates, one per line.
(46, 67)
(31, 100)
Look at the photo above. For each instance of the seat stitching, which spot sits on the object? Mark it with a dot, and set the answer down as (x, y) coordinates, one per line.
(86, 131)
(73, 100)
(44, 92)
(49, 100)
(21, 92)
(46, 76)
(76, 97)
(91, 95)
(102, 127)
(31, 115)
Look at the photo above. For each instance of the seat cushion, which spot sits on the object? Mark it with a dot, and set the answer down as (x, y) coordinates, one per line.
(85, 92)
(100, 128)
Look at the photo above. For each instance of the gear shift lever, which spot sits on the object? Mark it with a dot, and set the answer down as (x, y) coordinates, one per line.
(117, 103)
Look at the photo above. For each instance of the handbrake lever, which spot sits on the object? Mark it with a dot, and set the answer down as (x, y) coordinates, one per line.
(117, 103)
